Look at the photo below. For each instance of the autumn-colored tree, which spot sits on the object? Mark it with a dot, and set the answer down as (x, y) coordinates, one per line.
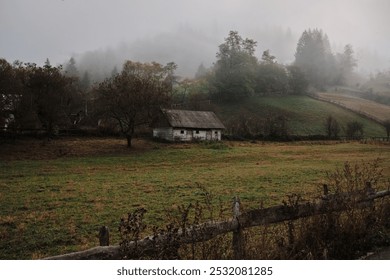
(134, 97)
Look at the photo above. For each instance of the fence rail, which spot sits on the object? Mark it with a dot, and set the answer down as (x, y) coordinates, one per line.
(209, 230)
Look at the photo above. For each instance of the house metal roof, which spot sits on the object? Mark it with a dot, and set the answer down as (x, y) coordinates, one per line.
(192, 119)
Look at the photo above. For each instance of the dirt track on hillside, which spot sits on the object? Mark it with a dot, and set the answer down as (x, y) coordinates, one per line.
(371, 109)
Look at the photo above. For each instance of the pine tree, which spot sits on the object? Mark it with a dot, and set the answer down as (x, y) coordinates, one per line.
(71, 69)
(347, 63)
(114, 72)
(47, 63)
(201, 72)
(315, 58)
(85, 82)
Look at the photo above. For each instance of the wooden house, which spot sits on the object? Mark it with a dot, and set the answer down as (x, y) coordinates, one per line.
(184, 125)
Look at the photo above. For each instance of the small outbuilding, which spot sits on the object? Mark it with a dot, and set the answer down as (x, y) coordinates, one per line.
(185, 125)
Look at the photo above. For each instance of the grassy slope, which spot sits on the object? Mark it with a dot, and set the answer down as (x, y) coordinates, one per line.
(380, 112)
(306, 116)
(379, 86)
(54, 206)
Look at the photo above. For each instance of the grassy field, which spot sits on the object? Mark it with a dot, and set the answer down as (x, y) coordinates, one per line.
(55, 195)
(305, 115)
(370, 108)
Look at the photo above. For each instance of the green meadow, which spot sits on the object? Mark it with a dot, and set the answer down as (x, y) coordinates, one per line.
(51, 206)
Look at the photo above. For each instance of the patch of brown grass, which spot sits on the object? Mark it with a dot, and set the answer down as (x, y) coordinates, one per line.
(38, 149)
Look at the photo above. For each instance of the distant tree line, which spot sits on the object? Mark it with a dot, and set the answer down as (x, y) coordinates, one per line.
(34, 97)
(377, 87)
(238, 74)
(321, 67)
(49, 98)
(354, 130)
(54, 98)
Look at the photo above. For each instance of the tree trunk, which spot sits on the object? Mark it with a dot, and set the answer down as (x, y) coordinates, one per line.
(129, 137)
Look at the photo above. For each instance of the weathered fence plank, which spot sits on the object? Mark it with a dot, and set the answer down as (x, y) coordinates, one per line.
(281, 213)
(104, 236)
(96, 253)
(238, 237)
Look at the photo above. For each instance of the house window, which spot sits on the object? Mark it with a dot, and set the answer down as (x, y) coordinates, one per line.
(197, 132)
(216, 132)
(182, 132)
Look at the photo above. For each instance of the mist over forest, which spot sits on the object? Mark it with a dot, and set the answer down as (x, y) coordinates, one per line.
(65, 61)
(190, 47)
(146, 104)
(186, 46)
(100, 34)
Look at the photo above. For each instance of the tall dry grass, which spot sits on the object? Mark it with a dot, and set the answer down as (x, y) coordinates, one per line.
(335, 235)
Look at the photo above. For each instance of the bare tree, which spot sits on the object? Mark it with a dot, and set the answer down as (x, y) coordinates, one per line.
(386, 124)
(134, 97)
(9, 91)
(354, 130)
(332, 127)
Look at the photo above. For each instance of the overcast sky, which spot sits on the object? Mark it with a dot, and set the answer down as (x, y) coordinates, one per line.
(33, 30)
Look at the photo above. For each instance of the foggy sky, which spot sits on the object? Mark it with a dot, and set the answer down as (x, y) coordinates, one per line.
(32, 31)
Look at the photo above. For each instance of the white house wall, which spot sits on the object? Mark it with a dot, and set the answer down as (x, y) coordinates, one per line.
(216, 135)
(200, 134)
(181, 134)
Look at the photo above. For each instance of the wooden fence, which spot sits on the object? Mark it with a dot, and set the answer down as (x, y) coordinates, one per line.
(207, 231)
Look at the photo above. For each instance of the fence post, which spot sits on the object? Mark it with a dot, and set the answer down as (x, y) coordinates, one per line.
(238, 237)
(371, 218)
(104, 236)
(369, 189)
(326, 190)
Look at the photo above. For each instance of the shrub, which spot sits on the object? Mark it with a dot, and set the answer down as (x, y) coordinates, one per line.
(354, 130)
(341, 235)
